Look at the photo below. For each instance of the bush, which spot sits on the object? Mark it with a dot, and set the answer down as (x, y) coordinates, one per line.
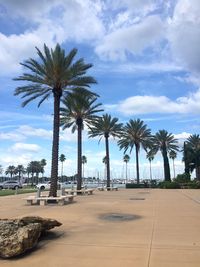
(169, 185)
(182, 178)
(142, 185)
(194, 185)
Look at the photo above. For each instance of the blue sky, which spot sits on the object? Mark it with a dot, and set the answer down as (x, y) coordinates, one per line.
(146, 60)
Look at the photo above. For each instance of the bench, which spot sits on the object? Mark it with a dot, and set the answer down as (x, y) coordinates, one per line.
(88, 191)
(44, 200)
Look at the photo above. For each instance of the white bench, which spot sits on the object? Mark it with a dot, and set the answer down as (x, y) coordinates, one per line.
(83, 191)
(44, 200)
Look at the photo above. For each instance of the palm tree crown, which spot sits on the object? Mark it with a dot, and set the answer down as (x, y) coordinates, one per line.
(106, 126)
(135, 134)
(53, 74)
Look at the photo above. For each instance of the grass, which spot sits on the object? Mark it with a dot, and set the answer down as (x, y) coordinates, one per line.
(8, 192)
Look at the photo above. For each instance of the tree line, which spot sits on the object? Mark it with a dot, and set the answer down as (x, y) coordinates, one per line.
(57, 74)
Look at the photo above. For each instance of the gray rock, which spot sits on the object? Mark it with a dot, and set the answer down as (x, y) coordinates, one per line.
(19, 235)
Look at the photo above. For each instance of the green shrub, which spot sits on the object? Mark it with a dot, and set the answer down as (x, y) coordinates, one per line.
(142, 185)
(182, 178)
(169, 185)
(193, 185)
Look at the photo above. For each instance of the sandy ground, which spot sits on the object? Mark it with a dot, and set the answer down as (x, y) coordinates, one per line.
(165, 231)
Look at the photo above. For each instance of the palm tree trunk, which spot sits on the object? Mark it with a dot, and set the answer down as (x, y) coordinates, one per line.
(166, 166)
(197, 173)
(174, 169)
(62, 172)
(150, 171)
(126, 172)
(137, 164)
(107, 162)
(55, 146)
(79, 161)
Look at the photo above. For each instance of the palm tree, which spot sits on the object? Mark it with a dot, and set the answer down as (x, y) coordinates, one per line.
(34, 167)
(173, 155)
(106, 126)
(10, 170)
(20, 170)
(135, 133)
(43, 163)
(193, 147)
(150, 157)
(126, 159)
(164, 142)
(53, 74)
(79, 108)
(62, 159)
(84, 161)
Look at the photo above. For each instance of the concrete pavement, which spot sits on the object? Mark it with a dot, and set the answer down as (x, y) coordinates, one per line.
(165, 233)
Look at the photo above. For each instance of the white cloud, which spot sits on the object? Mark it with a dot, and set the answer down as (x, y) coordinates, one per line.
(27, 131)
(134, 39)
(136, 105)
(184, 34)
(19, 147)
(182, 135)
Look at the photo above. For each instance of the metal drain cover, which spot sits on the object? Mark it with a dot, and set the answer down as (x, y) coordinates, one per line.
(118, 217)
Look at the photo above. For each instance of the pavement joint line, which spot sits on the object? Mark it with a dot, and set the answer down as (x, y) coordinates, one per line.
(100, 245)
(152, 234)
(189, 197)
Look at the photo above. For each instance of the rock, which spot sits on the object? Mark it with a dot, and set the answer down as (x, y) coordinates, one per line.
(19, 235)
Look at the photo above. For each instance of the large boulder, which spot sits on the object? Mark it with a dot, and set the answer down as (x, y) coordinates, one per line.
(20, 235)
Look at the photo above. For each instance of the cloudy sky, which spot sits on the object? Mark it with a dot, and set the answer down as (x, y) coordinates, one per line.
(146, 58)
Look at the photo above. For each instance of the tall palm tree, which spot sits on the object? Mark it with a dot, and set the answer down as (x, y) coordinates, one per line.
(135, 134)
(193, 145)
(10, 170)
(126, 159)
(164, 142)
(84, 161)
(53, 74)
(62, 159)
(106, 126)
(34, 167)
(20, 170)
(173, 155)
(79, 109)
(150, 157)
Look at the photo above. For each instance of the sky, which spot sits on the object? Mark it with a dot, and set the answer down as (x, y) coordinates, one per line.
(146, 59)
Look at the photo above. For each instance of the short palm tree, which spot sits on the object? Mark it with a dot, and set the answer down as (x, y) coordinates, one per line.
(135, 134)
(62, 159)
(53, 74)
(164, 142)
(20, 170)
(173, 155)
(10, 170)
(193, 147)
(150, 157)
(126, 159)
(106, 126)
(43, 163)
(84, 161)
(79, 109)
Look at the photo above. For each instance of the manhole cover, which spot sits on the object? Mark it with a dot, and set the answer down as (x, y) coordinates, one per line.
(118, 217)
(137, 198)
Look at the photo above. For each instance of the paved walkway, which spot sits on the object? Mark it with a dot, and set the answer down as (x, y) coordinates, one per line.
(165, 233)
